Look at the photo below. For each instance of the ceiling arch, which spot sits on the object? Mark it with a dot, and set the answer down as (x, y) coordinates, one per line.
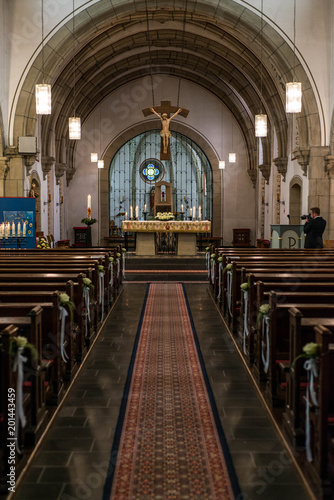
(218, 48)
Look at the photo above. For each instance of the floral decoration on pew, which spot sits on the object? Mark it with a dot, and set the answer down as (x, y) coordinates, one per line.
(245, 286)
(207, 249)
(64, 300)
(263, 311)
(123, 250)
(111, 259)
(311, 351)
(118, 255)
(42, 243)
(228, 268)
(220, 260)
(21, 341)
(101, 269)
(88, 283)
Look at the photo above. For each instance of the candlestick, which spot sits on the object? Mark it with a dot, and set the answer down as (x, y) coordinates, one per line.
(19, 229)
(126, 215)
(131, 212)
(136, 211)
(194, 212)
(145, 207)
(191, 212)
(24, 228)
(199, 212)
(13, 229)
(181, 207)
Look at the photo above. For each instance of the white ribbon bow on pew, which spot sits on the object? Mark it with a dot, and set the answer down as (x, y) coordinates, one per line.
(19, 414)
(208, 263)
(220, 267)
(229, 291)
(101, 294)
(111, 273)
(310, 366)
(245, 332)
(87, 306)
(213, 266)
(62, 315)
(265, 355)
(123, 265)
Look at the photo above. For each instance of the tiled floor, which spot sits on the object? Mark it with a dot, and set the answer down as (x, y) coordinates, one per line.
(72, 462)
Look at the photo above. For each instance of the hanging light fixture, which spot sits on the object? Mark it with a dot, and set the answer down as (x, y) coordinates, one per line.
(43, 90)
(74, 122)
(94, 157)
(261, 123)
(293, 90)
(221, 164)
(100, 164)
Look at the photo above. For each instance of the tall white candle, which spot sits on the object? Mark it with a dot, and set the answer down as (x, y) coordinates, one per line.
(145, 207)
(24, 228)
(13, 229)
(181, 207)
(19, 229)
(131, 212)
(89, 202)
(191, 212)
(199, 212)
(194, 212)
(126, 215)
(136, 211)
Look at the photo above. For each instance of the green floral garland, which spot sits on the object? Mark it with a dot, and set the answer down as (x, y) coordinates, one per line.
(88, 222)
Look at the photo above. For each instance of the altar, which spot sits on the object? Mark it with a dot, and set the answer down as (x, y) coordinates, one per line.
(185, 232)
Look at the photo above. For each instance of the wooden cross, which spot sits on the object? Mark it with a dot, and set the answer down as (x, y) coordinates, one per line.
(168, 109)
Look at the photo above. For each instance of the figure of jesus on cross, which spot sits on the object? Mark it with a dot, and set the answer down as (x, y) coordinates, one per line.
(165, 132)
(166, 112)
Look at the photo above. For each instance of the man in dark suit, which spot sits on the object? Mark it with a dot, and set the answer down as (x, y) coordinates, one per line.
(314, 228)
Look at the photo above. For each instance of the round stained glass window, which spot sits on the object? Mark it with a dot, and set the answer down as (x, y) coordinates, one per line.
(151, 170)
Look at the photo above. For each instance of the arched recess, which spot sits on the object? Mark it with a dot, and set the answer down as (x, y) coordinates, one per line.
(34, 177)
(154, 124)
(295, 203)
(221, 52)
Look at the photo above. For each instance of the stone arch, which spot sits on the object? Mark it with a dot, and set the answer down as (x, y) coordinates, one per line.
(119, 141)
(295, 197)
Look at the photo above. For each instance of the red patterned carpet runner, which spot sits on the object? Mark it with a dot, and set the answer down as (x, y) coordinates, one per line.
(169, 447)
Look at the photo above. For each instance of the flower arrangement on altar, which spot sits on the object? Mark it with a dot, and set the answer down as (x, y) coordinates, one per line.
(42, 244)
(88, 221)
(20, 341)
(164, 216)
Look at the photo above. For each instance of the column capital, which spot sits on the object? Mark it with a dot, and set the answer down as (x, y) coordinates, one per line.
(281, 165)
(302, 155)
(329, 165)
(252, 175)
(47, 164)
(265, 169)
(69, 175)
(60, 168)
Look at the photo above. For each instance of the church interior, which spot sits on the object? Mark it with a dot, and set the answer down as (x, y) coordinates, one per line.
(165, 326)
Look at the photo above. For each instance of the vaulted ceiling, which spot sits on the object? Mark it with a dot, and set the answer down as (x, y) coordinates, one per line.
(219, 47)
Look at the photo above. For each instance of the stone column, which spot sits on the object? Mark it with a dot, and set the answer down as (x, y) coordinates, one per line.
(329, 162)
(320, 184)
(14, 181)
(4, 167)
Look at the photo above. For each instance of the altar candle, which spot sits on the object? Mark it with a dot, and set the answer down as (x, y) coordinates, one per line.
(191, 212)
(13, 229)
(89, 202)
(131, 212)
(1, 236)
(199, 212)
(145, 207)
(181, 207)
(136, 211)
(126, 215)
(19, 229)
(194, 212)
(24, 228)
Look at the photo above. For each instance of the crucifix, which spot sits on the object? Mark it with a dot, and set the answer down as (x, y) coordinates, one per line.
(163, 112)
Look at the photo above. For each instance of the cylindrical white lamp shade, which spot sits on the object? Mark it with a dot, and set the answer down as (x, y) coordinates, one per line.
(293, 97)
(261, 127)
(94, 157)
(221, 164)
(232, 157)
(100, 164)
(43, 99)
(74, 128)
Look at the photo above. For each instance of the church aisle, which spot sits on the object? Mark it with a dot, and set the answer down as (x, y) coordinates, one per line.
(72, 463)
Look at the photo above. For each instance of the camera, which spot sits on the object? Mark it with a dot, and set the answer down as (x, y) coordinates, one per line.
(304, 217)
